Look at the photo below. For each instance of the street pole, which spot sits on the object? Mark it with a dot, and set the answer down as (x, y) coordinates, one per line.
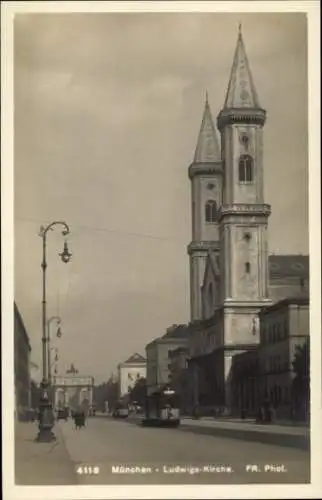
(46, 416)
(58, 321)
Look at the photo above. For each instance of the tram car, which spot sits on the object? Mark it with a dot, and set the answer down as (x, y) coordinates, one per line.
(162, 409)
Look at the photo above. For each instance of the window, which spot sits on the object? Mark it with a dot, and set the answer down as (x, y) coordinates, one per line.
(245, 168)
(247, 267)
(211, 211)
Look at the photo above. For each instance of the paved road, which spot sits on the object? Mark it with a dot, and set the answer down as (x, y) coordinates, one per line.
(106, 443)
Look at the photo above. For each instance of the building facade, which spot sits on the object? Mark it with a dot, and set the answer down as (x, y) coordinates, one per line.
(129, 372)
(22, 350)
(245, 383)
(232, 275)
(179, 376)
(283, 326)
(158, 360)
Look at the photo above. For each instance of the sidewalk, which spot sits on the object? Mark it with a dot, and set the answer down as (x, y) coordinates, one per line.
(41, 463)
(282, 427)
(282, 423)
(280, 435)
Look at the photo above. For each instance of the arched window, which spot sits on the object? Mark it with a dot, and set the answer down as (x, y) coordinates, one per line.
(211, 211)
(246, 167)
(247, 267)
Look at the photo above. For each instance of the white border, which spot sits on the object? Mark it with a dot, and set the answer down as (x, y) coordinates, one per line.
(12, 492)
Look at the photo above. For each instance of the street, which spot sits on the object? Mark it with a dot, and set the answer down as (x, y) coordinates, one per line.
(100, 450)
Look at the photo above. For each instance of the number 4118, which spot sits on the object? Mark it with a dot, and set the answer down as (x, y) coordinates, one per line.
(87, 469)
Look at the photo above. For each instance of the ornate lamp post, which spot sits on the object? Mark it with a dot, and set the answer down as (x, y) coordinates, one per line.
(55, 359)
(50, 365)
(49, 349)
(46, 416)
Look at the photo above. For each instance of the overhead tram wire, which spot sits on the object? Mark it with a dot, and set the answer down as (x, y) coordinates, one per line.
(112, 231)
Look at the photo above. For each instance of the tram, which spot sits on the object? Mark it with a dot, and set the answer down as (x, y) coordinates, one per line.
(162, 409)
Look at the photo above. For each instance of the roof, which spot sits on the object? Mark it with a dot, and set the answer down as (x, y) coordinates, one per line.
(136, 358)
(241, 92)
(176, 331)
(207, 150)
(285, 303)
(288, 266)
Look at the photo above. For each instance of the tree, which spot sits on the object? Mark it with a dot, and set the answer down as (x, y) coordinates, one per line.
(301, 364)
(107, 391)
(139, 391)
(301, 381)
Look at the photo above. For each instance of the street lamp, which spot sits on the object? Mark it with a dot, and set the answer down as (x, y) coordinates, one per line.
(46, 415)
(58, 334)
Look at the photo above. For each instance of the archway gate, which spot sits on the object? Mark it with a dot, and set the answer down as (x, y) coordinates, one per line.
(73, 391)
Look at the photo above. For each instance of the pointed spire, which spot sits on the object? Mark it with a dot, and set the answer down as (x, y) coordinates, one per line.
(241, 91)
(207, 150)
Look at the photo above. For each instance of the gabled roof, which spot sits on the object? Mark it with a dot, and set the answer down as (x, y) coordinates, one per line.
(136, 358)
(289, 266)
(241, 92)
(207, 150)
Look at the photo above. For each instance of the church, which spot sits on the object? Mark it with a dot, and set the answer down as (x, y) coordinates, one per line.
(232, 275)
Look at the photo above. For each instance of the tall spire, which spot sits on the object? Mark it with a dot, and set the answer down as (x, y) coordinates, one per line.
(241, 91)
(207, 150)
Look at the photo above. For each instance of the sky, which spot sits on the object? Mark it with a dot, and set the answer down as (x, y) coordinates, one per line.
(107, 114)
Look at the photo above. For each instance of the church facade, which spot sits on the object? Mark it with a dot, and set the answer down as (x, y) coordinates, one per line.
(232, 275)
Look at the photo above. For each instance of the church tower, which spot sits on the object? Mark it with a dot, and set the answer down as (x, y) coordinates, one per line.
(243, 215)
(206, 175)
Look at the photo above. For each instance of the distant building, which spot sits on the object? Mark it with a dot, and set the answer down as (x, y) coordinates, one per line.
(283, 326)
(157, 354)
(179, 375)
(22, 352)
(73, 390)
(129, 372)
